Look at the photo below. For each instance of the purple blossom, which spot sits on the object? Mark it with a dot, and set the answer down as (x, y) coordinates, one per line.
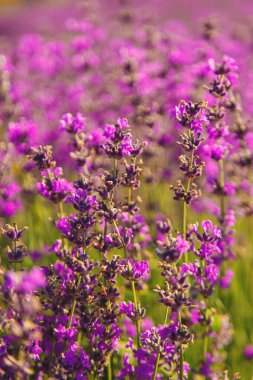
(248, 352)
(75, 358)
(227, 67)
(138, 269)
(195, 316)
(122, 123)
(22, 134)
(109, 131)
(227, 278)
(212, 273)
(129, 327)
(82, 201)
(190, 115)
(217, 151)
(126, 370)
(141, 270)
(61, 332)
(36, 350)
(230, 218)
(182, 245)
(127, 308)
(188, 268)
(26, 282)
(206, 369)
(211, 231)
(9, 202)
(55, 189)
(72, 124)
(63, 225)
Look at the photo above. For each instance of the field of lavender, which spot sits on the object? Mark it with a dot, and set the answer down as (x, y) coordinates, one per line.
(126, 158)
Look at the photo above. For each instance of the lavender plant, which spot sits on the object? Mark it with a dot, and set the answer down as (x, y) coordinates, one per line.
(131, 238)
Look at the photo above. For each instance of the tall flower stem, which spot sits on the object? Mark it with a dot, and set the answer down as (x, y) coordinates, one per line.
(115, 169)
(137, 323)
(184, 229)
(74, 304)
(205, 345)
(61, 209)
(181, 349)
(15, 248)
(109, 369)
(110, 361)
(61, 214)
(159, 354)
(72, 312)
(184, 223)
(222, 183)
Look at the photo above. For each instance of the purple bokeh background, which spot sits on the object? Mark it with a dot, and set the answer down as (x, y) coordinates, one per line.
(48, 16)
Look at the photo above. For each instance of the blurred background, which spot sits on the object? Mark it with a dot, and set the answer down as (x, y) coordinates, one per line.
(19, 16)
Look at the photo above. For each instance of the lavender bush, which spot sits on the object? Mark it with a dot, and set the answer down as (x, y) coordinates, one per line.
(126, 160)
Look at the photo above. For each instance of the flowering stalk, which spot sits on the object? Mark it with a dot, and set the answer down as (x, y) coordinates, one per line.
(222, 188)
(184, 224)
(192, 117)
(119, 145)
(137, 322)
(159, 354)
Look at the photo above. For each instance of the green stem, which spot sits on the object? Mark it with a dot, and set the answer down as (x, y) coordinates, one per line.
(79, 338)
(72, 312)
(129, 194)
(137, 323)
(184, 219)
(181, 362)
(61, 209)
(122, 242)
(15, 249)
(184, 227)
(61, 214)
(74, 305)
(205, 345)
(52, 350)
(109, 369)
(181, 349)
(222, 183)
(205, 339)
(115, 167)
(156, 366)
(159, 354)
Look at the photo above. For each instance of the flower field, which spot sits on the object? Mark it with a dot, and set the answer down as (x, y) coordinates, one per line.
(126, 158)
